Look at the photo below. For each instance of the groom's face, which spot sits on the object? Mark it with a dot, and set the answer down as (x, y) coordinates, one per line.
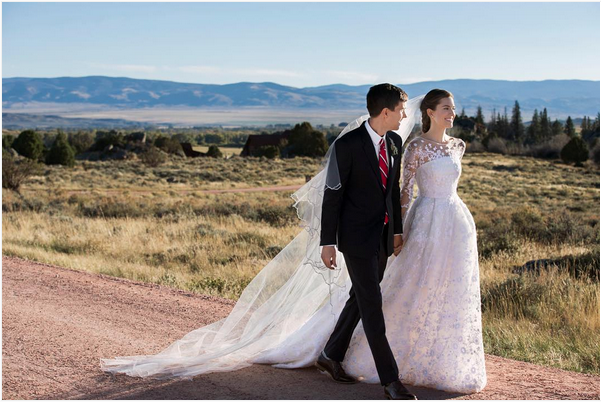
(394, 117)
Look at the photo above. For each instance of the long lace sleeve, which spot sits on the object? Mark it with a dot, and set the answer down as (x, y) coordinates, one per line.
(461, 147)
(410, 165)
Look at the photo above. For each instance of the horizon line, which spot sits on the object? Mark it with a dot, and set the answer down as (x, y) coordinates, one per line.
(317, 86)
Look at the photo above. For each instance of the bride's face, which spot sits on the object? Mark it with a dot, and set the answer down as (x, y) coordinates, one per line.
(444, 115)
(394, 117)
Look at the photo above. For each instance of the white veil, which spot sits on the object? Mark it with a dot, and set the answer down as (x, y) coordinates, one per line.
(283, 296)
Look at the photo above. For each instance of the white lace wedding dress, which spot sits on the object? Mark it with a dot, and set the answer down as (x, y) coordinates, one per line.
(431, 291)
(431, 294)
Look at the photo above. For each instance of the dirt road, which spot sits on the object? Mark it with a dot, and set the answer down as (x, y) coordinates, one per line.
(58, 323)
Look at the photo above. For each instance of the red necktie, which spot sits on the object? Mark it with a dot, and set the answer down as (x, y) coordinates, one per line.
(383, 169)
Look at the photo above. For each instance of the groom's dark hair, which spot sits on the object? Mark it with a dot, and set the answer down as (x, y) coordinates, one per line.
(384, 96)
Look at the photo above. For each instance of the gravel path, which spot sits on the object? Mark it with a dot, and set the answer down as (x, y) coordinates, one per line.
(57, 324)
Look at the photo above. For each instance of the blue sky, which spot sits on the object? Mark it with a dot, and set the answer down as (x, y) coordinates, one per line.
(302, 44)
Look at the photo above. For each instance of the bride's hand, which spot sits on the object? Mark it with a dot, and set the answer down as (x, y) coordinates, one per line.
(328, 256)
(398, 245)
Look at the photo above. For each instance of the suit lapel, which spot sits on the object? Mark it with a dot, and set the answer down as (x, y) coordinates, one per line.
(370, 154)
(391, 166)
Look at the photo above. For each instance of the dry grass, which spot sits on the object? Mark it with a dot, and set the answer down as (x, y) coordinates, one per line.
(131, 221)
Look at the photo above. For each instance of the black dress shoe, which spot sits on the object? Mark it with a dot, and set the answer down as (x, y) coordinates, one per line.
(334, 369)
(396, 390)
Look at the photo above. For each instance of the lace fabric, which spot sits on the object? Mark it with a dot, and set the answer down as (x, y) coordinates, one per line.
(420, 151)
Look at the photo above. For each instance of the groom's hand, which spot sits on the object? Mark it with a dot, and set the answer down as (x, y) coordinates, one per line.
(398, 244)
(328, 256)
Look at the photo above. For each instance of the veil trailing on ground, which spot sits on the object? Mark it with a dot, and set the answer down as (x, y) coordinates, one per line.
(288, 291)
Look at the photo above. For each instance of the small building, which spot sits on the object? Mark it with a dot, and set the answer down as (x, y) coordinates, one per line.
(255, 141)
(189, 152)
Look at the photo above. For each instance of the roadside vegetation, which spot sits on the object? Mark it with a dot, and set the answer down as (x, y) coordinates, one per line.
(537, 219)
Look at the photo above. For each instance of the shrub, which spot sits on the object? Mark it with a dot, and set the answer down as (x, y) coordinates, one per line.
(167, 144)
(530, 224)
(110, 208)
(276, 216)
(554, 229)
(61, 152)
(214, 152)
(29, 144)
(104, 139)
(475, 147)
(578, 266)
(575, 151)
(81, 141)
(153, 157)
(268, 151)
(497, 145)
(498, 238)
(522, 294)
(594, 154)
(15, 172)
(550, 149)
(7, 141)
(566, 228)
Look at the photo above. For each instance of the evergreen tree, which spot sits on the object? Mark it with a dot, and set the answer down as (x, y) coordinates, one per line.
(584, 124)
(493, 121)
(589, 131)
(545, 125)
(479, 116)
(556, 128)
(505, 129)
(480, 125)
(569, 128)
(575, 151)
(516, 125)
(29, 144)
(61, 152)
(534, 130)
(305, 141)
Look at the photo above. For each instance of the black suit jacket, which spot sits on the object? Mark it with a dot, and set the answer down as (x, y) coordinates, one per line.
(353, 216)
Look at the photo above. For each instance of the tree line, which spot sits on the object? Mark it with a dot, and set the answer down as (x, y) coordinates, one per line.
(542, 137)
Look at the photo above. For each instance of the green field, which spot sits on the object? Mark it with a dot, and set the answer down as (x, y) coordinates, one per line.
(124, 219)
(226, 151)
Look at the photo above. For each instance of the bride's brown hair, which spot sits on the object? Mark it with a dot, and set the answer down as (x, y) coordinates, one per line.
(430, 101)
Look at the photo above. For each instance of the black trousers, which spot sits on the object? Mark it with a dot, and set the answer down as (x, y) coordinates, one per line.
(365, 303)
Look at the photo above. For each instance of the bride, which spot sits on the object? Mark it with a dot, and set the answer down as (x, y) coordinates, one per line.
(430, 291)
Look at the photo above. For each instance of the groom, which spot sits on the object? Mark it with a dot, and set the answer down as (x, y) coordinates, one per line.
(363, 218)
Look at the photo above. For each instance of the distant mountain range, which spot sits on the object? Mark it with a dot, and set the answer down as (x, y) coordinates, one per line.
(560, 97)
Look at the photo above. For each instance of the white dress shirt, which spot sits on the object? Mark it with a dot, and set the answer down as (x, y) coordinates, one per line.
(375, 137)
